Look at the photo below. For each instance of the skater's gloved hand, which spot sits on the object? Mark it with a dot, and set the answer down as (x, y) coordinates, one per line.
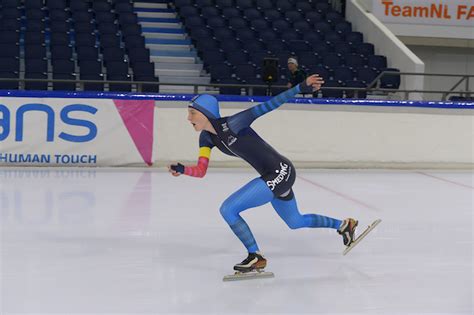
(311, 84)
(176, 169)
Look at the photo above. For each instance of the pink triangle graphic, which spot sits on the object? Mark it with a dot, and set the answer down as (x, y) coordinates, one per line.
(137, 116)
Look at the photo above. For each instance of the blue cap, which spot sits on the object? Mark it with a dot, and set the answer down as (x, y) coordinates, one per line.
(206, 104)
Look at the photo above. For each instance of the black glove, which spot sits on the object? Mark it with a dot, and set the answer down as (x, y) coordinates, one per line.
(305, 89)
(179, 168)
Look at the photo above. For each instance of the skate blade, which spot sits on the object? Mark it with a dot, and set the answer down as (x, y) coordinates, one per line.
(248, 275)
(361, 236)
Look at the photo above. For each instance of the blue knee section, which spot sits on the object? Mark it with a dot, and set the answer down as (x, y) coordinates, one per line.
(288, 211)
(254, 194)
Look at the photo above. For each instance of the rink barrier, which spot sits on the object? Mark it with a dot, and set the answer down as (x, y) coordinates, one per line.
(49, 128)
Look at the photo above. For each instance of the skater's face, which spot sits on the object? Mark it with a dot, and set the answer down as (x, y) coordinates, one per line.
(197, 119)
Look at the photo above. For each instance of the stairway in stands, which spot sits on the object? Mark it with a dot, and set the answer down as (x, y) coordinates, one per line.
(175, 58)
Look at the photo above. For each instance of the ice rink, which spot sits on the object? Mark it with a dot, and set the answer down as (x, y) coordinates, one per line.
(139, 241)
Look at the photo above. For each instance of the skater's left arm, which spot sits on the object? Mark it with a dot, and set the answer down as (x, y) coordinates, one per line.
(200, 169)
(245, 118)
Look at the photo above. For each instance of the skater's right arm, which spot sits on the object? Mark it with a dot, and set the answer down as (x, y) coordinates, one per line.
(245, 118)
(199, 170)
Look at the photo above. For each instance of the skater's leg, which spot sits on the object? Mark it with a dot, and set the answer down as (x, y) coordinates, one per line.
(287, 209)
(254, 194)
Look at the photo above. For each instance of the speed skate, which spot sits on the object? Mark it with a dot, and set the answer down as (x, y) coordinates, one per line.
(361, 236)
(254, 274)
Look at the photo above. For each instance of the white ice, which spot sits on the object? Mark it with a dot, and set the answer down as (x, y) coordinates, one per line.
(136, 241)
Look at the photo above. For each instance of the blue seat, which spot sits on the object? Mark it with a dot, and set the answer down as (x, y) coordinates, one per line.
(59, 39)
(200, 33)
(10, 85)
(143, 68)
(302, 27)
(208, 12)
(237, 57)
(216, 22)
(313, 38)
(354, 38)
(230, 90)
(236, 23)
(107, 28)
(308, 59)
(85, 39)
(322, 7)
(280, 25)
(267, 35)
(11, 3)
(230, 12)
(194, 21)
(333, 17)
(119, 87)
(366, 75)
(9, 64)
(313, 17)
(220, 71)
(207, 44)
(56, 4)
(92, 86)
(303, 7)
(90, 67)
(131, 42)
(360, 94)
(81, 16)
(243, 4)
(127, 19)
(320, 71)
(231, 45)
(264, 4)
(84, 28)
(259, 25)
(297, 46)
(131, 29)
(113, 54)
(36, 65)
(276, 46)
(59, 15)
(377, 62)
(339, 93)
(79, 5)
(34, 38)
(342, 48)
(332, 60)
(354, 61)
(342, 75)
(64, 86)
(87, 53)
(124, 7)
(365, 49)
(59, 26)
(35, 26)
(36, 85)
(293, 16)
(10, 24)
(284, 5)
(251, 14)
(101, 6)
(104, 17)
(211, 57)
(33, 4)
(35, 14)
(139, 55)
(63, 66)
(332, 37)
(256, 59)
(245, 35)
(223, 34)
(35, 51)
(117, 68)
(390, 81)
(222, 4)
(343, 27)
(10, 13)
(9, 37)
(322, 27)
(203, 3)
(253, 45)
(272, 15)
(9, 50)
